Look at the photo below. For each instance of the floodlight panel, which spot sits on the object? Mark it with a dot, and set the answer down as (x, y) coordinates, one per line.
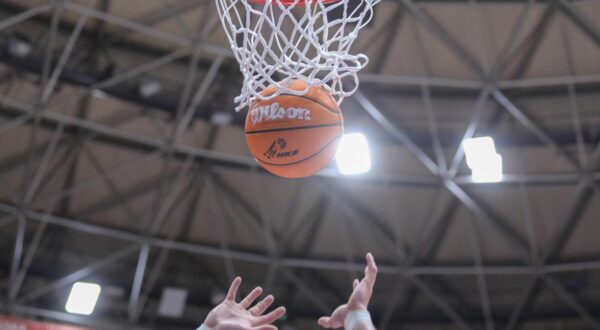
(490, 173)
(353, 154)
(479, 151)
(83, 298)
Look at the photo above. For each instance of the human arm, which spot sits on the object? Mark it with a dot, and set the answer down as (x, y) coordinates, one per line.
(354, 315)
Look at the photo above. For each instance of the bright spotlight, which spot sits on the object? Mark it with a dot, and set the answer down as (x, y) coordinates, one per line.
(492, 172)
(353, 156)
(148, 87)
(482, 159)
(83, 298)
(479, 151)
(19, 46)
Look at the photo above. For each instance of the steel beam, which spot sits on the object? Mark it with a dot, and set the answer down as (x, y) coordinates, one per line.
(357, 213)
(392, 129)
(21, 17)
(75, 319)
(138, 281)
(78, 275)
(115, 136)
(581, 20)
(181, 231)
(356, 209)
(286, 235)
(582, 196)
(552, 81)
(416, 81)
(532, 127)
(531, 43)
(440, 302)
(568, 298)
(469, 132)
(121, 198)
(62, 61)
(472, 63)
(555, 179)
(481, 281)
(427, 244)
(161, 14)
(32, 188)
(444, 37)
(143, 29)
(392, 29)
(223, 230)
(15, 122)
(307, 292)
(509, 233)
(579, 202)
(208, 250)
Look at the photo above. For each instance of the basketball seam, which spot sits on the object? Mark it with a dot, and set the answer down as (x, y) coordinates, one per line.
(295, 128)
(310, 99)
(307, 158)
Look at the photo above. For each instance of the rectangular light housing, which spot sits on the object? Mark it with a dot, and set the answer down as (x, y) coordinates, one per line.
(172, 303)
(353, 155)
(483, 160)
(83, 297)
(479, 151)
(492, 172)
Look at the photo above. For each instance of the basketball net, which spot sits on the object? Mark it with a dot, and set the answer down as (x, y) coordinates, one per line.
(278, 41)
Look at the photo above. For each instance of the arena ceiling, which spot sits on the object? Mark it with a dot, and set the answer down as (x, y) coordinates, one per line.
(99, 181)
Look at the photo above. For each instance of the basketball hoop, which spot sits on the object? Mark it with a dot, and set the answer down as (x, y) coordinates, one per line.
(291, 2)
(279, 41)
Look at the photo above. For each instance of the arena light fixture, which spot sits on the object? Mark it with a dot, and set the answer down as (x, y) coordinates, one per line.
(148, 87)
(221, 118)
(19, 46)
(483, 160)
(353, 155)
(83, 297)
(492, 172)
(172, 302)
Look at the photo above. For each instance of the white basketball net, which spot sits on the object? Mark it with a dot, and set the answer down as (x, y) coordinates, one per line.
(281, 40)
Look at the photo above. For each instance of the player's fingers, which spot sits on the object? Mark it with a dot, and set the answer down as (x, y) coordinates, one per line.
(262, 306)
(269, 318)
(250, 298)
(371, 270)
(324, 322)
(355, 284)
(265, 327)
(233, 289)
(371, 265)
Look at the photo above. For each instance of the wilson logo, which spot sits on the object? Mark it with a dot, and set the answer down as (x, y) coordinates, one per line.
(275, 112)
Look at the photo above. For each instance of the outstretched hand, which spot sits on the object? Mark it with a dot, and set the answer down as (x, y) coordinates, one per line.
(230, 315)
(359, 300)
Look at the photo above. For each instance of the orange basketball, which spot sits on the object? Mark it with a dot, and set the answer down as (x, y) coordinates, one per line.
(294, 136)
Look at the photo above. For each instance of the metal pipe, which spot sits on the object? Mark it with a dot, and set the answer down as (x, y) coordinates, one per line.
(16, 19)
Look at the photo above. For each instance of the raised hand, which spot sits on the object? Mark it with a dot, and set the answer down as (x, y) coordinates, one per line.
(359, 300)
(230, 315)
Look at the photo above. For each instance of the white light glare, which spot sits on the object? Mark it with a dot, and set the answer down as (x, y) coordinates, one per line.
(353, 156)
(148, 87)
(221, 118)
(482, 159)
(492, 172)
(19, 47)
(83, 298)
(479, 150)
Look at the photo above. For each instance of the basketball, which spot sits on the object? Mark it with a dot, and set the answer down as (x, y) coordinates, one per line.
(294, 136)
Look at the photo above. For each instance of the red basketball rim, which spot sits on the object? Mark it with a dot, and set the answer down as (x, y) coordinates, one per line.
(291, 2)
